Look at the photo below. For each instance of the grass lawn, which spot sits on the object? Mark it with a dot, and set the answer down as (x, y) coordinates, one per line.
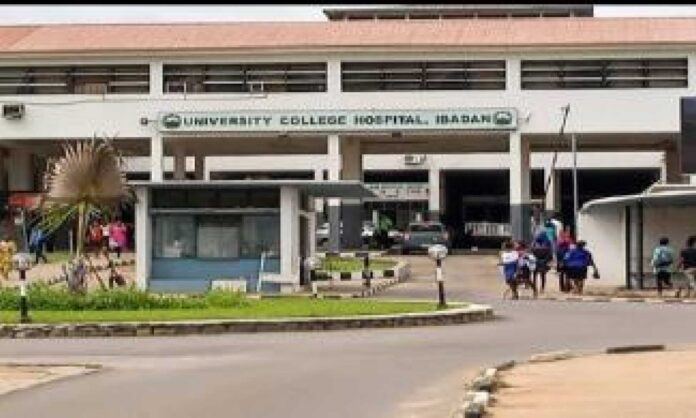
(354, 264)
(263, 308)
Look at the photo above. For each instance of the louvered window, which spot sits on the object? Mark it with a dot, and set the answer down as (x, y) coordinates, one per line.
(245, 78)
(597, 74)
(423, 75)
(129, 79)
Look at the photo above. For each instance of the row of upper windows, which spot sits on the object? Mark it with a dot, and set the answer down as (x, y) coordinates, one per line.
(355, 76)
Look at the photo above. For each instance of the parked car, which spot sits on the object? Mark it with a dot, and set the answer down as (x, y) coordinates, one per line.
(322, 233)
(422, 235)
(368, 231)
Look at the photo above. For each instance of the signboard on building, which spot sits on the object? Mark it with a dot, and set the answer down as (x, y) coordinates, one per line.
(339, 120)
(688, 135)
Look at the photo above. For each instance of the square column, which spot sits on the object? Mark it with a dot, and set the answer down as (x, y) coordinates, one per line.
(434, 194)
(289, 236)
(334, 205)
(143, 238)
(156, 79)
(552, 203)
(179, 163)
(351, 209)
(20, 171)
(520, 199)
(671, 166)
(157, 158)
(199, 173)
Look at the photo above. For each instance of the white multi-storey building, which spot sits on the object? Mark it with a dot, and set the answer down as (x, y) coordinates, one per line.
(456, 118)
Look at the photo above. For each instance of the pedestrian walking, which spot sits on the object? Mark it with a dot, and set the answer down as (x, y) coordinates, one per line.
(542, 251)
(563, 245)
(687, 264)
(526, 266)
(576, 262)
(662, 260)
(37, 240)
(118, 237)
(509, 260)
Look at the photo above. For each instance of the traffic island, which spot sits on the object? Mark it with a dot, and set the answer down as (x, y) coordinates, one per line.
(566, 384)
(452, 316)
(14, 377)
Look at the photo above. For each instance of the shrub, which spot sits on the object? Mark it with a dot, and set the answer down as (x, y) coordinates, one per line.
(46, 298)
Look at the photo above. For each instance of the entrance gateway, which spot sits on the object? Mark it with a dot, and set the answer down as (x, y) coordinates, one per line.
(346, 122)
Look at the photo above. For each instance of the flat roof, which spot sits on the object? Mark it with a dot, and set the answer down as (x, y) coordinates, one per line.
(686, 197)
(255, 36)
(344, 188)
(457, 9)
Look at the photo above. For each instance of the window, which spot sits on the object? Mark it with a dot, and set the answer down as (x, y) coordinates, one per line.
(128, 79)
(215, 198)
(245, 78)
(612, 74)
(216, 236)
(423, 75)
(174, 236)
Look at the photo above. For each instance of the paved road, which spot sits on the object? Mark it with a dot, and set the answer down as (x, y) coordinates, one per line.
(415, 372)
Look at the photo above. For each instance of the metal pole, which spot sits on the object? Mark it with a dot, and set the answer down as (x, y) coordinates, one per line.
(639, 241)
(440, 285)
(366, 273)
(574, 144)
(627, 251)
(23, 305)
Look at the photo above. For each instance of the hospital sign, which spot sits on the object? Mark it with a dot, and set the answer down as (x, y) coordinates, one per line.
(339, 120)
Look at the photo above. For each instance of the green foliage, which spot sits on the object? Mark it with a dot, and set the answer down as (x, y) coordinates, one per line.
(44, 297)
(354, 264)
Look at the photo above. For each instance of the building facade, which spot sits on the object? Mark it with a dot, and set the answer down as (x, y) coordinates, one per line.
(447, 117)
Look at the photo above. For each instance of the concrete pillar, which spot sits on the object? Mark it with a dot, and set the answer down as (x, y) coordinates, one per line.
(520, 205)
(20, 171)
(289, 235)
(671, 166)
(334, 208)
(200, 167)
(553, 195)
(157, 158)
(513, 74)
(351, 209)
(691, 70)
(143, 238)
(333, 76)
(156, 79)
(434, 209)
(179, 163)
(318, 202)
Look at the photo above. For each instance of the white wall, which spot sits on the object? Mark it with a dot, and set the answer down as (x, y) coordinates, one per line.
(592, 111)
(603, 229)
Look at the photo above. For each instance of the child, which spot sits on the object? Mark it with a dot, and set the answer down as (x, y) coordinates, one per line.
(526, 267)
(543, 252)
(576, 262)
(509, 259)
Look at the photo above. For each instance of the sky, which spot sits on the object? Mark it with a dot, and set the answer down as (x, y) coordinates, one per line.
(15, 15)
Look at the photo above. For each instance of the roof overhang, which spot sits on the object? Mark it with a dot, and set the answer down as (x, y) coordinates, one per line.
(351, 189)
(686, 197)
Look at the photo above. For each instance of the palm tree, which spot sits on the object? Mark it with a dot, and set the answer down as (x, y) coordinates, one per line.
(87, 180)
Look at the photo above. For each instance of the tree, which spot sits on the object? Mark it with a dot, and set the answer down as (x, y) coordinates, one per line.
(86, 181)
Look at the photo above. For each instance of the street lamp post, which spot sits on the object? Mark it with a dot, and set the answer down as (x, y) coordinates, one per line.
(438, 253)
(366, 273)
(22, 262)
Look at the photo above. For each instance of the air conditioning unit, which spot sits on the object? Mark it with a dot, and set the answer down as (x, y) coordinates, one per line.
(255, 87)
(12, 111)
(412, 159)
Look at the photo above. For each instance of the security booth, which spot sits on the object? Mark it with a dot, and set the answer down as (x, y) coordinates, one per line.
(194, 235)
(622, 231)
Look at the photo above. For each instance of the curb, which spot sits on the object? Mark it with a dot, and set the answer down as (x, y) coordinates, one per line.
(616, 299)
(480, 390)
(472, 313)
(401, 272)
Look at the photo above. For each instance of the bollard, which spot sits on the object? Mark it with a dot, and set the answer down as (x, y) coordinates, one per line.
(438, 253)
(22, 262)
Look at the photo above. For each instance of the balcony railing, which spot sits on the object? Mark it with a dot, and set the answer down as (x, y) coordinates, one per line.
(488, 229)
(399, 191)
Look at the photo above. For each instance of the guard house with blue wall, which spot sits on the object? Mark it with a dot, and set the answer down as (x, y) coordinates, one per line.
(191, 233)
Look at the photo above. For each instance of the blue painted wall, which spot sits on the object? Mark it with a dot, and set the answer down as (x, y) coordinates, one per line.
(195, 275)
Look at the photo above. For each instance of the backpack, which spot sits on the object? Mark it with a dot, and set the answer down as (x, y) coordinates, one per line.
(664, 259)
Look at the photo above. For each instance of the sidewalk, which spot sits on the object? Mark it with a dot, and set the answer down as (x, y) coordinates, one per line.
(654, 384)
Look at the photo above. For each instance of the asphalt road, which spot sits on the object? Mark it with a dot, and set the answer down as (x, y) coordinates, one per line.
(383, 373)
